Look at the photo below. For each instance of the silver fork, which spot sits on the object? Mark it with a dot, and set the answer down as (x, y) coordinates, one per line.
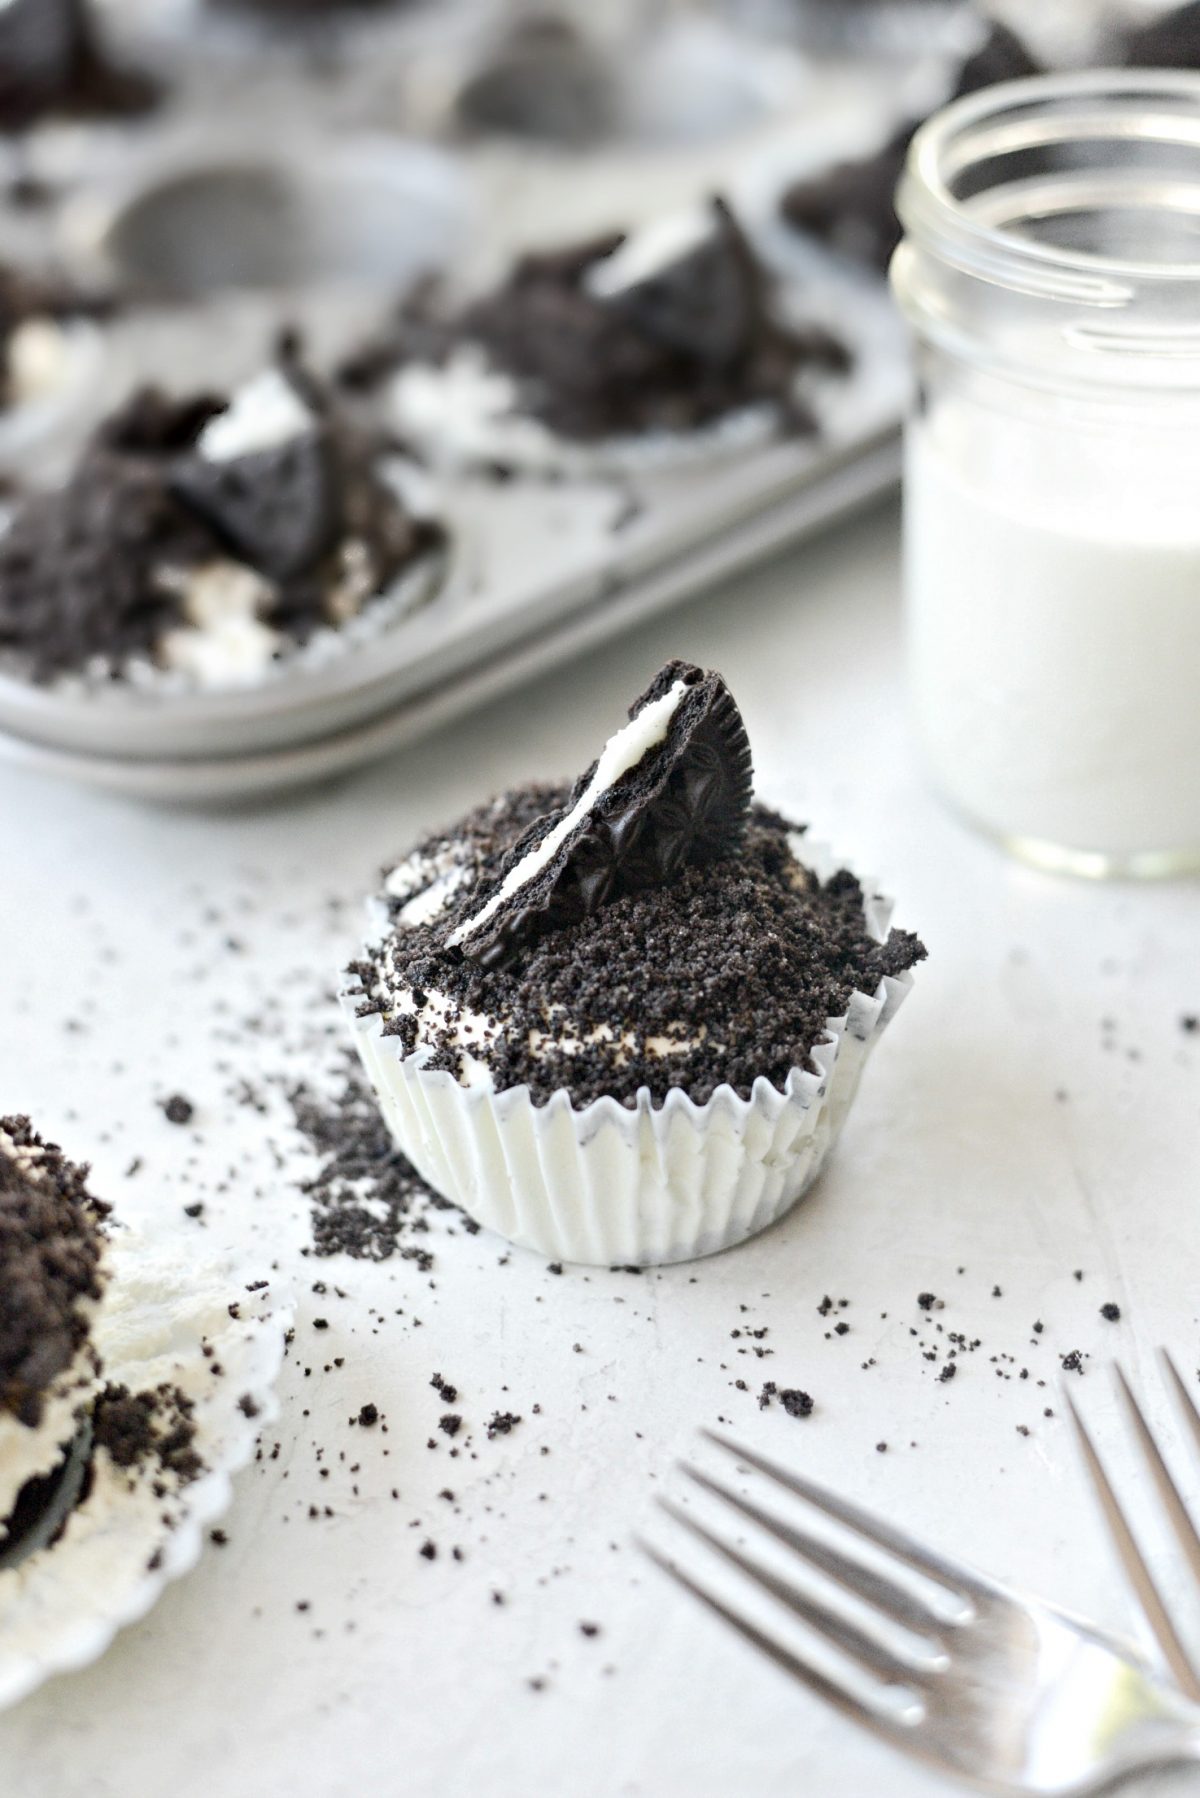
(1010, 1694)
(1137, 1568)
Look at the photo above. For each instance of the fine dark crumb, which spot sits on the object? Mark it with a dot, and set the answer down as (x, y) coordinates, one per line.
(178, 1110)
(502, 1423)
(1110, 1312)
(794, 1402)
(368, 1415)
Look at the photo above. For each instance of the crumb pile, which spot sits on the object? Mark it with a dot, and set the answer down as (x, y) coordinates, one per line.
(367, 1200)
(677, 349)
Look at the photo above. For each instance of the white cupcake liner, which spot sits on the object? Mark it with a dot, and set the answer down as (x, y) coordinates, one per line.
(612, 1185)
(165, 1318)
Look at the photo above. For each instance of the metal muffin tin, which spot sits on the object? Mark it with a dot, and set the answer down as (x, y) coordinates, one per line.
(234, 233)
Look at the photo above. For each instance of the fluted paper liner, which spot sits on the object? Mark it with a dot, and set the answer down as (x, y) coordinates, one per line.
(613, 1185)
(124, 1541)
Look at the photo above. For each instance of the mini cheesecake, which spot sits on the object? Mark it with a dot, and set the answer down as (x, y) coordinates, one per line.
(852, 205)
(642, 985)
(657, 335)
(207, 538)
(52, 1280)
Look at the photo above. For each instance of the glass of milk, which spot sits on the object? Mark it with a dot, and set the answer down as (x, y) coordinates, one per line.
(1051, 274)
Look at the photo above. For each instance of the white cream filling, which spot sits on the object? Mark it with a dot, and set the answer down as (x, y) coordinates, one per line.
(621, 753)
(224, 643)
(414, 875)
(38, 359)
(647, 251)
(264, 413)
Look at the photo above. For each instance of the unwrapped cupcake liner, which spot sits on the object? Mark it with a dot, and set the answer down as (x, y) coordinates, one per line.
(614, 1185)
(121, 1535)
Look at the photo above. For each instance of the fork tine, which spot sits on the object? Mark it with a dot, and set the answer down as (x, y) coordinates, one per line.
(964, 1582)
(891, 1727)
(1134, 1563)
(901, 1606)
(1168, 1491)
(871, 1654)
(1191, 1414)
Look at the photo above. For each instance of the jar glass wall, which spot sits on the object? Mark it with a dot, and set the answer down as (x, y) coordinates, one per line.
(1051, 274)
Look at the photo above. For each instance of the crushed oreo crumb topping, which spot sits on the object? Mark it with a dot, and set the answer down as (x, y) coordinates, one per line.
(728, 973)
(51, 1244)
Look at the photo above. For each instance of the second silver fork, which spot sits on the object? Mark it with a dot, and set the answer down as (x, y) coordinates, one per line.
(1009, 1693)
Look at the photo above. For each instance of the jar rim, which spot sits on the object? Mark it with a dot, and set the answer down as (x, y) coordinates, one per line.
(930, 210)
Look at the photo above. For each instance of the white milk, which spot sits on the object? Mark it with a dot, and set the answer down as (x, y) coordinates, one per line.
(1053, 594)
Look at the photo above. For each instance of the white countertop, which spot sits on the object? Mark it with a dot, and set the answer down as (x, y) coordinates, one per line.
(403, 1675)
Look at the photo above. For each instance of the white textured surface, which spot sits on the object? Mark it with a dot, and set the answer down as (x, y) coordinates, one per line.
(958, 1155)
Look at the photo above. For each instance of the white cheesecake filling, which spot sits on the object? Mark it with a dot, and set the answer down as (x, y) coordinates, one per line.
(263, 414)
(620, 755)
(224, 642)
(468, 409)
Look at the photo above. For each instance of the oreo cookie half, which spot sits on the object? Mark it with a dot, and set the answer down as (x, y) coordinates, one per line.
(671, 788)
(279, 509)
(708, 303)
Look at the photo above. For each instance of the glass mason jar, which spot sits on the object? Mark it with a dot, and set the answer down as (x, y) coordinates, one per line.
(1050, 272)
